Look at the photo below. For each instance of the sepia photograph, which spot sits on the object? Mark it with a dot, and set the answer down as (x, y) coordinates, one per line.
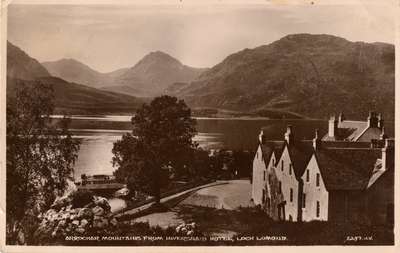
(189, 123)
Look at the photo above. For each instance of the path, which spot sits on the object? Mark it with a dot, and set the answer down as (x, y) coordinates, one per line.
(226, 194)
(230, 196)
(163, 200)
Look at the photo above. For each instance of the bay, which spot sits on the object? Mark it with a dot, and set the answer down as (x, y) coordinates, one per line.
(98, 133)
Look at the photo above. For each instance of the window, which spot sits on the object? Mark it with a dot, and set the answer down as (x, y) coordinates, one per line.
(264, 175)
(282, 165)
(273, 162)
(290, 169)
(268, 203)
(304, 200)
(308, 176)
(291, 195)
(318, 209)
(269, 178)
(317, 179)
(263, 196)
(280, 187)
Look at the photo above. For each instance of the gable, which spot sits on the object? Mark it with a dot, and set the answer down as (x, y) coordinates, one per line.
(313, 169)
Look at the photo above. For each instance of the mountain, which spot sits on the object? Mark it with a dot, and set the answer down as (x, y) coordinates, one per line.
(313, 75)
(75, 98)
(22, 66)
(149, 77)
(68, 97)
(154, 73)
(77, 72)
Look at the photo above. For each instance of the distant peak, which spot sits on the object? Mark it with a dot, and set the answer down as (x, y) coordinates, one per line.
(158, 57)
(309, 36)
(159, 54)
(71, 60)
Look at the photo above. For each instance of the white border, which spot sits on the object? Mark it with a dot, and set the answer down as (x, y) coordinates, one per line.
(275, 249)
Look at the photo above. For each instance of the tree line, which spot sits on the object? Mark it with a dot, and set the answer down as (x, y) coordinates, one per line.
(160, 150)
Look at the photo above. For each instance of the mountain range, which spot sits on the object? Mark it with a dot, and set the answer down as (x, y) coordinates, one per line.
(69, 97)
(300, 74)
(313, 75)
(147, 78)
(22, 66)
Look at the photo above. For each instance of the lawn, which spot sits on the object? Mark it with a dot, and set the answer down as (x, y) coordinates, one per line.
(252, 222)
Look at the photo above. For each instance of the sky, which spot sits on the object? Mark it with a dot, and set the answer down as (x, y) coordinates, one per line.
(109, 37)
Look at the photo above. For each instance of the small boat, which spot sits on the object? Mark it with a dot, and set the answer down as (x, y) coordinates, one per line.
(121, 192)
(103, 183)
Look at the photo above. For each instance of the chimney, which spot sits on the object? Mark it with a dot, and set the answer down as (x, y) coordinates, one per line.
(383, 135)
(289, 134)
(373, 143)
(316, 140)
(385, 150)
(332, 127)
(341, 118)
(380, 121)
(261, 137)
(372, 119)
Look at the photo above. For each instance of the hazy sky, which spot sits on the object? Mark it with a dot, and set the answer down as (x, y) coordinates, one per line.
(110, 37)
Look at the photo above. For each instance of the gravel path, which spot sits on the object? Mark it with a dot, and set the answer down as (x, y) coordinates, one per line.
(228, 196)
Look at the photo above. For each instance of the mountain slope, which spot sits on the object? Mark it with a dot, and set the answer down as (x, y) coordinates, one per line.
(314, 75)
(155, 72)
(22, 66)
(68, 97)
(77, 72)
(149, 77)
(80, 99)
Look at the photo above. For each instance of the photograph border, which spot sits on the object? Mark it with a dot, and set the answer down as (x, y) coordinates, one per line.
(276, 249)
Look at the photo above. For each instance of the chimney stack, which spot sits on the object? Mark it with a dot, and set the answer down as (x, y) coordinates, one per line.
(380, 121)
(317, 139)
(332, 127)
(261, 137)
(385, 150)
(372, 119)
(341, 118)
(289, 134)
(383, 135)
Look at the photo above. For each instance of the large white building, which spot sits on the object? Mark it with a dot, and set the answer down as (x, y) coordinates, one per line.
(320, 180)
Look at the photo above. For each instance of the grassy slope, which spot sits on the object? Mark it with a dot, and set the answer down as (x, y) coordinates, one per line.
(313, 75)
(79, 99)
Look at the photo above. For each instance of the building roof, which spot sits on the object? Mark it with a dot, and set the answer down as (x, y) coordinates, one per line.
(369, 134)
(345, 144)
(268, 147)
(351, 130)
(347, 168)
(300, 153)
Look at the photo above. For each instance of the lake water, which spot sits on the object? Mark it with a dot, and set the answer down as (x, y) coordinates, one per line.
(99, 133)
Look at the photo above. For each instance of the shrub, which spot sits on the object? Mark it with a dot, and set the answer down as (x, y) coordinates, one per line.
(81, 198)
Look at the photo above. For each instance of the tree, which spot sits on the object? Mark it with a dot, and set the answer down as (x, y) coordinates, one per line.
(160, 144)
(39, 154)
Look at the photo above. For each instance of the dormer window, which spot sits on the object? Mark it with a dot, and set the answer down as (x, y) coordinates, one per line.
(263, 196)
(291, 195)
(280, 187)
